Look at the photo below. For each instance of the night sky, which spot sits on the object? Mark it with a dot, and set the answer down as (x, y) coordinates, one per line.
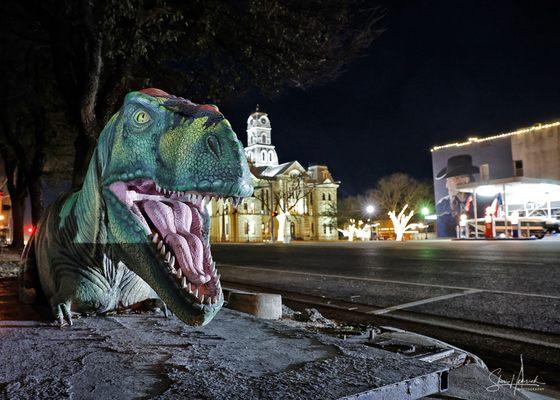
(442, 71)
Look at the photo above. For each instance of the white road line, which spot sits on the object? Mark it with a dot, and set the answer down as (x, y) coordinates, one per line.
(356, 278)
(420, 302)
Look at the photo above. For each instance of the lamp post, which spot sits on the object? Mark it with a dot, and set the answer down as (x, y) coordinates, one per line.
(370, 209)
(425, 212)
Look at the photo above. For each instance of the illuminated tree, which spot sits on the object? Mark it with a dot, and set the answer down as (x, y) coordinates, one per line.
(400, 222)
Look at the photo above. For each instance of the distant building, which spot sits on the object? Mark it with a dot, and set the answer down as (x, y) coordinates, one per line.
(308, 197)
(516, 173)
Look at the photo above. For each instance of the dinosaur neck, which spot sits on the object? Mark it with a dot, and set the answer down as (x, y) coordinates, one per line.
(89, 209)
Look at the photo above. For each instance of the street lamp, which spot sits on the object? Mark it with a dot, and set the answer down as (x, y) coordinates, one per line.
(370, 209)
(425, 211)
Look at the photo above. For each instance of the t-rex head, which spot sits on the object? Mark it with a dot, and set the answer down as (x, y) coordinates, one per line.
(159, 161)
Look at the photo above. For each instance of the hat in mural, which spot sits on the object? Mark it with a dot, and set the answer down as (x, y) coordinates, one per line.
(457, 166)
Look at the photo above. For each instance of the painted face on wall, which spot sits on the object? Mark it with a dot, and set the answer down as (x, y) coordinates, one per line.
(452, 182)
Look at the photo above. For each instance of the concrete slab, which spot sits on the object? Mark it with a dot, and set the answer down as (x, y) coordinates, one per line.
(236, 357)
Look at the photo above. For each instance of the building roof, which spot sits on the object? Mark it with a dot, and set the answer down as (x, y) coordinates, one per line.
(531, 129)
(266, 172)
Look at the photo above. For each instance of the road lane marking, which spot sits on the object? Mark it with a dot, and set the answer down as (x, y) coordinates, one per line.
(424, 301)
(357, 278)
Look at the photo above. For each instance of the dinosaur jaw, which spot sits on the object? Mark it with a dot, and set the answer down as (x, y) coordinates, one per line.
(175, 223)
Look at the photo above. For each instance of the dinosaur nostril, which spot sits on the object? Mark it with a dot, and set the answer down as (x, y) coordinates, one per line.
(214, 146)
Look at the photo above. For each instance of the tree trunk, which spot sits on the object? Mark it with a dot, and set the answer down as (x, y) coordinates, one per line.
(84, 146)
(35, 195)
(18, 211)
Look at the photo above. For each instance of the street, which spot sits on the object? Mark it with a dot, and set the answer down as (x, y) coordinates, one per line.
(513, 284)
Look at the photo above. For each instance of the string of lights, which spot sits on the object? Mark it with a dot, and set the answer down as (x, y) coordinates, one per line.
(471, 140)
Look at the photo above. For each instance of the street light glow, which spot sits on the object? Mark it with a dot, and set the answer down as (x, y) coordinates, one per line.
(425, 211)
(370, 209)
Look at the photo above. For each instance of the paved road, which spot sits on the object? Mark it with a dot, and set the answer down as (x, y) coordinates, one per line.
(511, 284)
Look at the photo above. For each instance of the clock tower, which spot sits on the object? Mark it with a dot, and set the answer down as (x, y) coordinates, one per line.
(260, 150)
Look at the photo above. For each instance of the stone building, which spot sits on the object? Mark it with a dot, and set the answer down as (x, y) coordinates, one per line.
(289, 201)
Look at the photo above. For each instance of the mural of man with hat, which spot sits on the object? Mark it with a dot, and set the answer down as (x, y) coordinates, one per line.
(459, 171)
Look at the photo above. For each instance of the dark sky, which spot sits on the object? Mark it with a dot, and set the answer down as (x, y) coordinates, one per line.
(442, 71)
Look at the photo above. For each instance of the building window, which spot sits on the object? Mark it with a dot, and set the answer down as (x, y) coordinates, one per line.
(312, 229)
(246, 228)
(323, 197)
(329, 197)
(245, 206)
(484, 172)
(263, 156)
(518, 167)
(311, 198)
(264, 138)
(325, 229)
(270, 156)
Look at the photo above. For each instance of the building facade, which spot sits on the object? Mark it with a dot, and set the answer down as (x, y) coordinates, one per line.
(289, 202)
(516, 174)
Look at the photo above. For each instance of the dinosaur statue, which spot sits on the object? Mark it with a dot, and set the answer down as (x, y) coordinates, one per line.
(138, 228)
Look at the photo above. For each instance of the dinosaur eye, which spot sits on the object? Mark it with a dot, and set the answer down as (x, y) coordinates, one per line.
(141, 117)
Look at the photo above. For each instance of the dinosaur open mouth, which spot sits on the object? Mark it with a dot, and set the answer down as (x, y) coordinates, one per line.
(175, 222)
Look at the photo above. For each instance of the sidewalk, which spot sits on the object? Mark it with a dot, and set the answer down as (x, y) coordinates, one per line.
(235, 357)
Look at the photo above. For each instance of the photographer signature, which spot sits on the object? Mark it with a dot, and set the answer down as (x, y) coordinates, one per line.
(517, 381)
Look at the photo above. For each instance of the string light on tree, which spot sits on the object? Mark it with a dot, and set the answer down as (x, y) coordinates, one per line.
(400, 222)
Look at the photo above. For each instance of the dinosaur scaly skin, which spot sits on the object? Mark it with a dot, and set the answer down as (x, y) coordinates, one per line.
(138, 228)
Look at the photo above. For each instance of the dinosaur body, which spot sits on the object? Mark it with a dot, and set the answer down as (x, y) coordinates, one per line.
(138, 228)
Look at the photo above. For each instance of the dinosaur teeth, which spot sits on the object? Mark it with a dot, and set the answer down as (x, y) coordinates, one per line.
(155, 238)
(195, 294)
(160, 244)
(162, 250)
(179, 273)
(202, 299)
(172, 262)
(189, 287)
(167, 257)
(184, 282)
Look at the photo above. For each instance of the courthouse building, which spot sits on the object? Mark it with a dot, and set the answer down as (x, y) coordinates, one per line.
(303, 200)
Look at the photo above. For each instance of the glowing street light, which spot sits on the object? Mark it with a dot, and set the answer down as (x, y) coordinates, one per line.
(425, 211)
(370, 209)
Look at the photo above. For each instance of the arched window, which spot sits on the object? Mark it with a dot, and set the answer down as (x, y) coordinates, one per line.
(312, 229)
(263, 154)
(270, 156)
(323, 197)
(264, 138)
(325, 229)
(329, 197)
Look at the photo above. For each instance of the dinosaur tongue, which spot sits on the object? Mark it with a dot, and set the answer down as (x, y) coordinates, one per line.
(179, 226)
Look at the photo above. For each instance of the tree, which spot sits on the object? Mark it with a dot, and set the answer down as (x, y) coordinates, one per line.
(204, 49)
(398, 190)
(400, 222)
(288, 199)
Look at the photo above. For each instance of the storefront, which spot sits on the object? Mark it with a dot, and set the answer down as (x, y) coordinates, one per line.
(509, 208)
